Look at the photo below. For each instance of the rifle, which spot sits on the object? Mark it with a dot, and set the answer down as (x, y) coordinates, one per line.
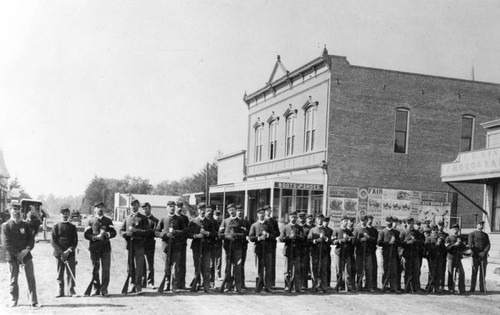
(70, 272)
(95, 275)
(227, 278)
(317, 277)
(23, 265)
(360, 280)
(195, 284)
(130, 268)
(260, 283)
(388, 275)
(409, 282)
(432, 282)
(291, 278)
(168, 272)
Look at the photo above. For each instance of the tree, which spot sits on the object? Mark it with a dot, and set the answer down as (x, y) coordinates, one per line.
(15, 184)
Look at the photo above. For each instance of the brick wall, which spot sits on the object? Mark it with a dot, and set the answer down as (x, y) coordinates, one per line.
(363, 103)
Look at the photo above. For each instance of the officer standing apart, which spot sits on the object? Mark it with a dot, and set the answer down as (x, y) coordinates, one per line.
(262, 234)
(149, 248)
(202, 231)
(65, 240)
(479, 243)
(98, 231)
(18, 241)
(183, 242)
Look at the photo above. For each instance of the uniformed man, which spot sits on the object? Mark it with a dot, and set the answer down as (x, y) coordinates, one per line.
(182, 265)
(389, 239)
(18, 241)
(412, 242)
(263, 235)
(99, 231)
(343, 241)
(441, 257)
(479, 243)
(455, 247)
(401, 226)
(134, 230)
(228, 278)
(171, 230)
(293, 236)
(274, 223)
(364, 241)
(373, 249)
(245, 226)
(307, 223)
(433, 246)
(216, 261)
(320, 239)
(203, 233)
(328, 257)
(149, 248)
(64, 241)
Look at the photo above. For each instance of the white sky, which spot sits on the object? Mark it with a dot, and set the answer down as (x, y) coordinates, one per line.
(154, 88)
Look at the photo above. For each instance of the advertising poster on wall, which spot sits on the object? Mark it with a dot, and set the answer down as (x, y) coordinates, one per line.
(342, 201)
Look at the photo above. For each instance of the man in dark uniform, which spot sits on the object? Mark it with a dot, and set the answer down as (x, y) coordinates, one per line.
(182, 266)
(64, 241)
(245, 226)
(441, 256)
(373, 249)
(455, 247)
(412, 243)
(216, 261)
(328, 256)
(203, 233)
(320, 239)
(306, 221)
(364, 241)
(263, 235)
(293, 236)
(171, 230)
(231, 209)
(148, 279)
(98, 231)
(401, 226)
(479, 243)
(343, 240)
(433, 246)
(276, 232)
(134, 230)
(389, 239)
(18, 241)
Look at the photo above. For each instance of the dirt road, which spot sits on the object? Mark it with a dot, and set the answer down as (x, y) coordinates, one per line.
(229, 303)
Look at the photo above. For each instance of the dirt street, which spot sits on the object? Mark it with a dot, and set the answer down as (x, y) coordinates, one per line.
(229, 303)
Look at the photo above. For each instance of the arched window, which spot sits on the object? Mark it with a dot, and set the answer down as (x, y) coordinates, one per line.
(290, 134)
(401, 128)
(258, 143)
(467, 135)
(310, 128)
(273, 139)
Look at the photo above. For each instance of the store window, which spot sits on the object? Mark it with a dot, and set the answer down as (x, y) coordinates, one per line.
(401, 130)
(317, 202)
(467, 133)
(286, 204)
(301, 200)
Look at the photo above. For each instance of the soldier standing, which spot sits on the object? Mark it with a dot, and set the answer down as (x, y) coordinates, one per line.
(433, 246)
(479, 243)
(182, 266)
(18, 241)
(328, 257)
(245, 226)
(319, 238)
(307, 224)
(455, 247)
(149, 248)
(411, 241)
(216, 261)
(373, 249)
(171, 230)
(343, 241)
(262, 234)
(441, 257)
(64, 241)
(293, 236)
(276, 232)
(364, 241)
(231, 209)
(388, 239)
(98, 231)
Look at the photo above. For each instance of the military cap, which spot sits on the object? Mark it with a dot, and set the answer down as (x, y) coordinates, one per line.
(171, 203)
(388, 219)
(201, 205)
(403, 220)
(293, 213)
(395, 219)
(434, 228)
(427, 230)
(15, 205)
(480, 222)
(327, 219)
(99, 203)
(427, 221)
(455, 226)
(302, 214)
(146, 204)
(260, 210)
(64, 209)
(231, 205)
(266, 207)
(179, 203)
(441, 223)
(410, 219)
(363, 218)
(345, 217)
(417, 222)
(217, 211)
(369, 216)
(352, 219)
(320, 216)
(134, 201)
(309, 216)
(239, 207)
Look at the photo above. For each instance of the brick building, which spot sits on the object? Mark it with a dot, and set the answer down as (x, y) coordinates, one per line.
(334, 138)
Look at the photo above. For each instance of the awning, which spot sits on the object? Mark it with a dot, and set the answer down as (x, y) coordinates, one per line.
(267, 184)
(473, 167)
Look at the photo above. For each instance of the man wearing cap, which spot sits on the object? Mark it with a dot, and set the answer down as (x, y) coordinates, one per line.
(455, 247)
(328, 257)
(401, 226)
(99, 231)
(182, 265)
(320, 239)
(292, 234)
(363, 242)
(64, 241)
(202, 231)
(307, 223)
(433, 245)
(216, 260)
(18, 241)
(441, 256)
(149, 248)
(411, 242)
(343, 241)
(171, 230)
(227, 244)
(479, 243)
(263, 235)
(389, 239)
(373, 232)
(134, 230)
(245, 226)
(275, 225)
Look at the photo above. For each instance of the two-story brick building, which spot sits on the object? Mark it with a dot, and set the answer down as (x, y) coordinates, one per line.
(330, 137)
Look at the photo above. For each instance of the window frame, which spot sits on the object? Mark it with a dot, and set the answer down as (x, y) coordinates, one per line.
(290, 133)
(258, 143)
(273, 139)
(406, 131)
(471, 139)
(309, 128)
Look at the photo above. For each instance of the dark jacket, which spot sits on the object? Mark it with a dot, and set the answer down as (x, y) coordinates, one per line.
(194, 228)
(94, 227)
(139, 225)
(174, 224)
(256, 231)
(297, 243)
(15, 238)
(479, 243)
(149, 239)
(64, 236)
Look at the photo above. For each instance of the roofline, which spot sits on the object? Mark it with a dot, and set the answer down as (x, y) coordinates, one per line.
(231, 154)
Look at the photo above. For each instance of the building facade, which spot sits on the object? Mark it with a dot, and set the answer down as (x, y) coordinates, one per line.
(334, 138)
(4, 183)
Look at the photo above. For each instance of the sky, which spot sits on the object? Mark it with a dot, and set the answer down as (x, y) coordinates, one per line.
(155, 88)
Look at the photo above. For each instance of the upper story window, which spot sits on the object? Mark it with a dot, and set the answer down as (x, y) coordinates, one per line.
(258, 143)
(273, 140)
(310, 108)
(290, 134)
(467, 133)
(401, 130)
